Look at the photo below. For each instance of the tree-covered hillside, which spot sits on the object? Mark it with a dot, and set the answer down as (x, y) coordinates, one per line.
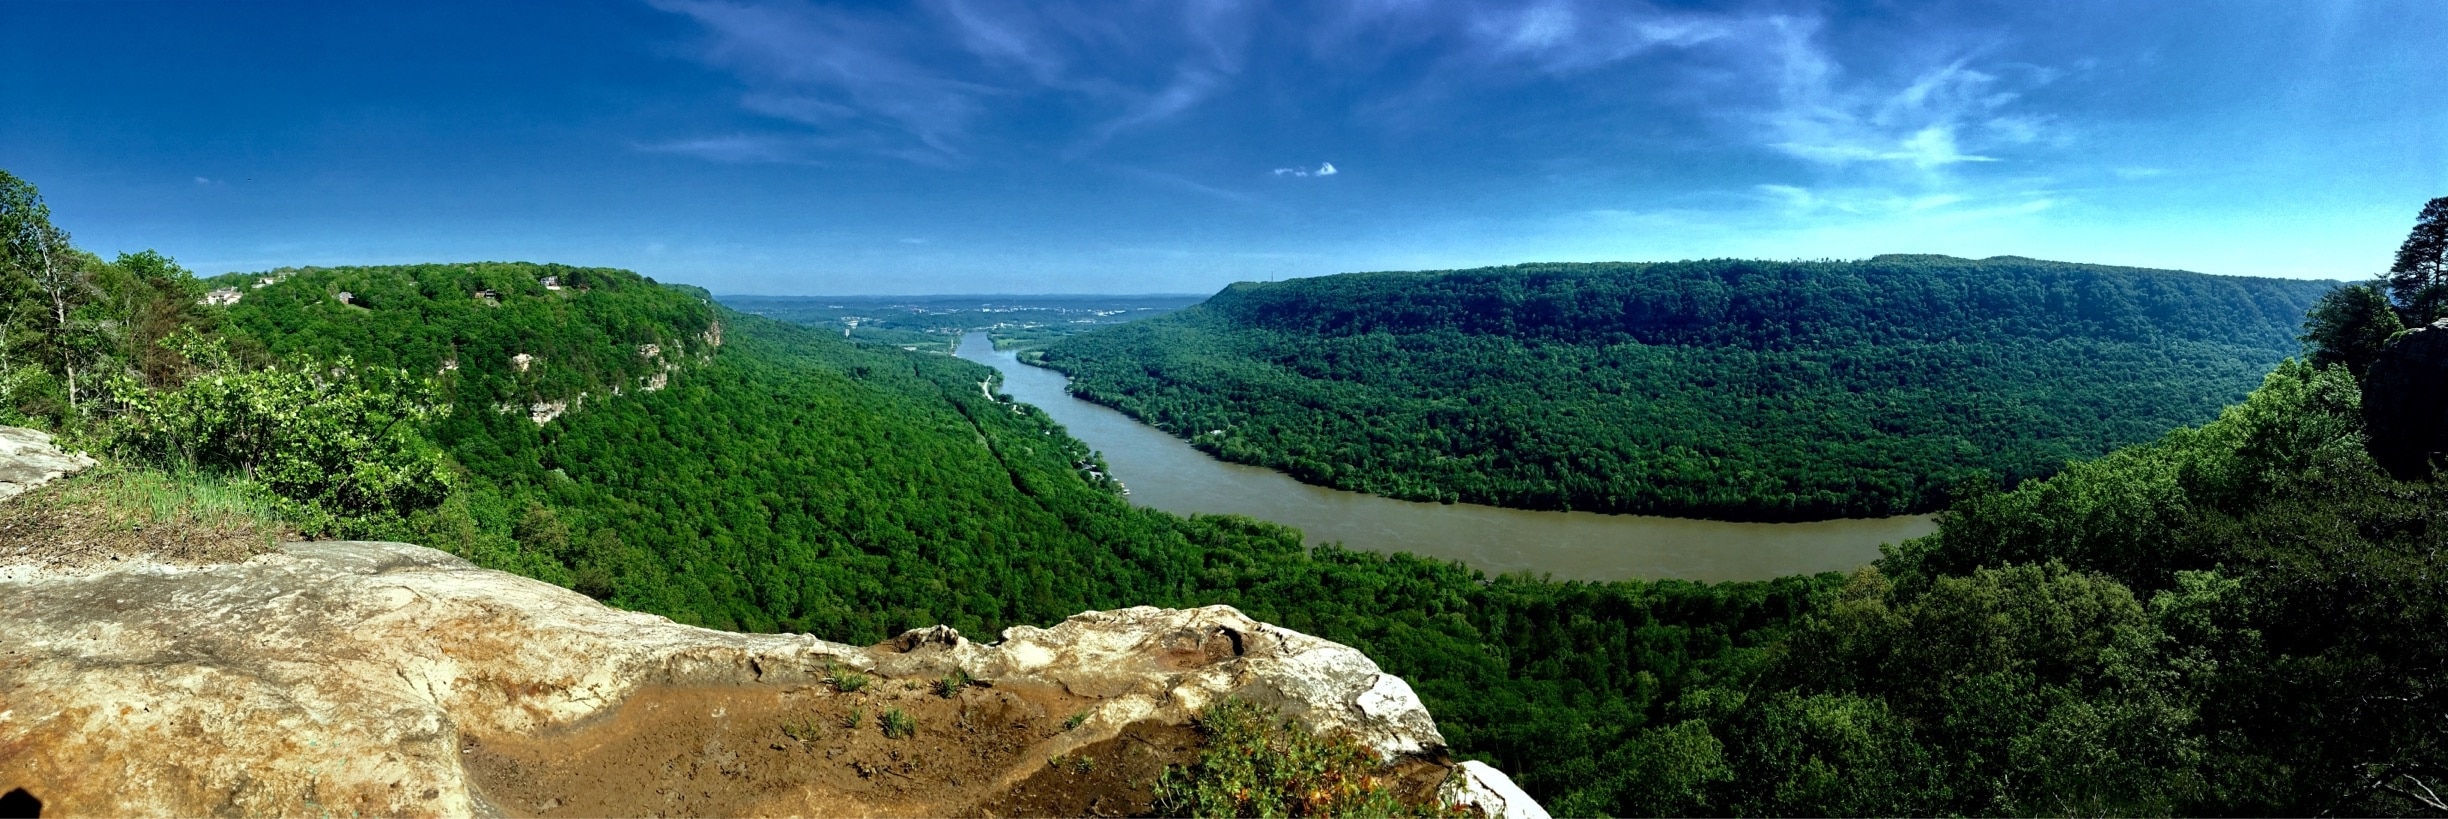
(1725, 389)
(2232, 620)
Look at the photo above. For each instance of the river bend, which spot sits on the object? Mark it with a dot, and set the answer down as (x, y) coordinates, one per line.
(1166, 473)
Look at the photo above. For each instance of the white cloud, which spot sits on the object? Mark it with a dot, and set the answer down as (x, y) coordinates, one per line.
(1889, 148)
(737, 149)
(1823, 115)
(1323, 169)
(1566, 37)
(1854, 205)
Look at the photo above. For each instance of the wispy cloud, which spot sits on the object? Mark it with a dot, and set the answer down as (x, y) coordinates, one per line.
(947, 75)
(1554, 37)
(1564, 37)
(1183, 184)
(1857, 205)
(933, 78)
(832, 68)
(734, 149)
(1872, 133)
(1923, 122)
(1901, 140)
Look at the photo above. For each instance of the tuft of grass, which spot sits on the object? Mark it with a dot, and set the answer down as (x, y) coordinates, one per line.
(857, 715)
(119, 510)
(847, 682)
(951, 684)
(897, 724)
(804, 730)
(1075, 721)
(1256, 763)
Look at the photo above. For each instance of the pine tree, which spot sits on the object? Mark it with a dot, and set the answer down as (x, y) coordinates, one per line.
(2419, 279)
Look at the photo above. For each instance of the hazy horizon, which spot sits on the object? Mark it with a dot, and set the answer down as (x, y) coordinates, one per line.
(777, 147)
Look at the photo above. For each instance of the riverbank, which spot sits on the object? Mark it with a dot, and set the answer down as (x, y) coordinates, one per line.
(1166, 473)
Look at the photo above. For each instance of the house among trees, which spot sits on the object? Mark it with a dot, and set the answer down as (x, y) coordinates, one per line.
(221, 297)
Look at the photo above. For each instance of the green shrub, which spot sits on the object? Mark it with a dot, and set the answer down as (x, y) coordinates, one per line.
(340, 438)
(1255, 763)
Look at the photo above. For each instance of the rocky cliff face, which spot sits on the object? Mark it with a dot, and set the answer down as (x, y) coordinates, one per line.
(384, 678)
(2405, 402)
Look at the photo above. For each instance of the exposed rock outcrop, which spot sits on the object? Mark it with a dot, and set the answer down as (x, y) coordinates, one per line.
(28, 459)
(385, 678)
(2405, 402)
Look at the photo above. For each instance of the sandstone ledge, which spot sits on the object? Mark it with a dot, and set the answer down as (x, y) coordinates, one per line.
(28, 459)
(362, 677)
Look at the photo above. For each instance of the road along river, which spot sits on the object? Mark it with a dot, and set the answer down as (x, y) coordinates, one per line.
(1167, 473)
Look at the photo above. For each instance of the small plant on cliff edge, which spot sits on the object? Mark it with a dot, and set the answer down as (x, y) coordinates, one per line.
(951, 684)
(1075, 720)
(897, 724)
(1255, 763)
(847, 682)
(803, 730)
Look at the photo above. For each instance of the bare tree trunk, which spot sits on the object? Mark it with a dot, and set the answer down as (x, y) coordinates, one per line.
(58, 284)
(8, 327)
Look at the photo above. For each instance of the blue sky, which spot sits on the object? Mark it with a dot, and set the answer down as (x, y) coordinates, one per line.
(782, 147)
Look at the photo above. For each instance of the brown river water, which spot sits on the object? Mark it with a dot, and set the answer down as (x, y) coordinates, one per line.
(1167, 473)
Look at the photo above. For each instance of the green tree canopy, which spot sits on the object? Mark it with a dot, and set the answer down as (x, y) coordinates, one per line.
(2350, 326)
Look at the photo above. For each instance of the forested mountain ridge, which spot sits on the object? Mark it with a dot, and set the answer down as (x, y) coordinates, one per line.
(1724, 389)
(1775, 305)
(496, 333)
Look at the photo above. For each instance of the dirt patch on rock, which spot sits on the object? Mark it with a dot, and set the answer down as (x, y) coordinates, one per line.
(814, 750)
(1116, 777)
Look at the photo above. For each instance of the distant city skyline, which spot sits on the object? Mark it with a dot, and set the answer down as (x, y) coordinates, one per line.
(780, 147)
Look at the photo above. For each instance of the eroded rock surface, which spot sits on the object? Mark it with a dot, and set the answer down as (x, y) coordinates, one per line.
(384, 678)
(28, 459)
